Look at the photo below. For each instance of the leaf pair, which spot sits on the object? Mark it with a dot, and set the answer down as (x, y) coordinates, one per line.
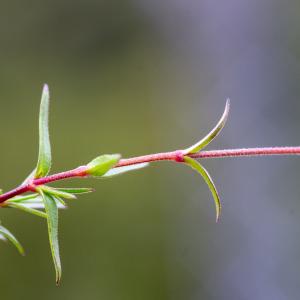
(42, 169)
(198, 167)
(51, 199)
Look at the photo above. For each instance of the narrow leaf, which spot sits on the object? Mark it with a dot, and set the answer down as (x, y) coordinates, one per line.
(38, 203)
(202, 171)
(44, 160)
(59, 201)
(121, 170)
(27, 209)
(23, 198)
(75, 190)
(58, 193)
(9, 236)
(52, 219)
(214, 132)
(100, 165)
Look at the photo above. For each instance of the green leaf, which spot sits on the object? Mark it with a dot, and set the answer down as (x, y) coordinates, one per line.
(22, 198)
(52, 219)
(33, 202)
(100, 165)
(121, 170)
(76, 190)
(27, 209)
(44, 160)
(9, 236)
(202, 171)
(58, 193)
(214, 132)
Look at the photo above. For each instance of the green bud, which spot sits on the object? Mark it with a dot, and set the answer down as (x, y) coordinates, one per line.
(100, 165)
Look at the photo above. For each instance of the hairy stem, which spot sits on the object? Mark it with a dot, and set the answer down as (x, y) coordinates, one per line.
(176, 156)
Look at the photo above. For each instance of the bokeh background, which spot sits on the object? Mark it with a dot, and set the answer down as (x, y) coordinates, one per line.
(138, 77)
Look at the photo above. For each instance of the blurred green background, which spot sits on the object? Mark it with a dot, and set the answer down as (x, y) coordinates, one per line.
(137, 77)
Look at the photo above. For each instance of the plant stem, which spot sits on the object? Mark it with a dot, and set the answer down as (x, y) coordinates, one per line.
(267, 151)
(176, 156)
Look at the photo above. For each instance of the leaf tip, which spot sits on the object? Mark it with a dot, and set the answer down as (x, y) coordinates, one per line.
(58, 279)
(45, 88)
(218, 212)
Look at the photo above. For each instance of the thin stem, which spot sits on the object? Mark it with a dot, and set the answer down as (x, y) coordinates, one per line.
(176, 156)
(267, 151)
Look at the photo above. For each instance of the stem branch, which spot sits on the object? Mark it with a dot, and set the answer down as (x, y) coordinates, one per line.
(176, 156)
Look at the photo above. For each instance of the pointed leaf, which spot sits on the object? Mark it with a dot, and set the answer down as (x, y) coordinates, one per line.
(38, 203)
(23, 198)
(58, 193)
(214, 132)
(52, 219)
(76, 190)
(27, 209)
(44, 160)
(121, 170)
(100, 165)
(9, 236)
(202, 171)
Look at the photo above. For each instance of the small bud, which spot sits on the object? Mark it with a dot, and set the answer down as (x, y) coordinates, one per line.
(100, 165)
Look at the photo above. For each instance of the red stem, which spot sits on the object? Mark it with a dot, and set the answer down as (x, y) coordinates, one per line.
(176, 156)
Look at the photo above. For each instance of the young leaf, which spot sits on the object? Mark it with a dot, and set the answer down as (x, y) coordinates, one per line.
(36, 203)
(202, 171)
(100, 165)
(57, 193)
(27, 209)
(121, 170)
(75, 190)
(44, 160)
(9, 236)
(214, 132)
(52, 220)
(23, 198)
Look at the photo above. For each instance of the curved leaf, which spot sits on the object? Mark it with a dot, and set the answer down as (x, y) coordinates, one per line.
(213, 133)
(202, 171)
(10, 237)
